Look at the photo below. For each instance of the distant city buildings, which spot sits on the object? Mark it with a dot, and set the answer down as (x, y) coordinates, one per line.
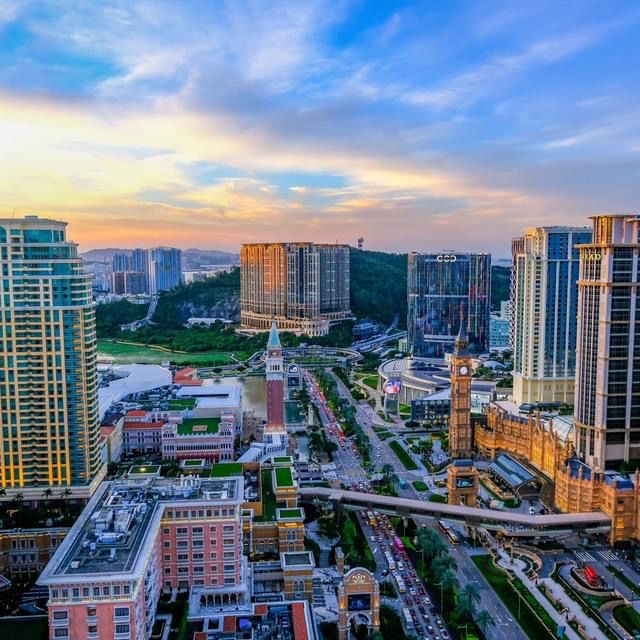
(607, 395)
(499, 332)
(164, 269)
(443, 290)
(49, 423)
(200, 275)
(544, 305)
(303, 286)
(145, 271)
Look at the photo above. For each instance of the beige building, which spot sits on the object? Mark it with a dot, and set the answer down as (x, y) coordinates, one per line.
(303, 286)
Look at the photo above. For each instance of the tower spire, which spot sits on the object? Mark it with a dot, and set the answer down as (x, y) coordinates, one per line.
(274, 337)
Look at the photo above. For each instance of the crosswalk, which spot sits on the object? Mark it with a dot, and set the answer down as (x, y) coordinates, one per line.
(604, 554)
(585, 556)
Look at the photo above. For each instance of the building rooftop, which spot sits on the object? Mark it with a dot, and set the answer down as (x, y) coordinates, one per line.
(290, 514)
(114, 528)
(198, 426)
(284, 477)
(297, 560)
(226, 469)
(217, 394)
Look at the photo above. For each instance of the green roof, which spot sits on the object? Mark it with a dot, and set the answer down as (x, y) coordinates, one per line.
(145, 468)
(182, 403)
(290, 513)
(226, 469)
(193, 463)
(285, 459)
(284, 477)
(199, 426)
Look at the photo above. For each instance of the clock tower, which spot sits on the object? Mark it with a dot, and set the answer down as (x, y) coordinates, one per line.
(274, 365)
(460, 435)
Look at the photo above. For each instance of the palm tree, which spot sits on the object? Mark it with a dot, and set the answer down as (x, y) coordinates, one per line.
(3, 492)
(387, 471)
(19, 497)
(485, 621)
(47, 493)
(430, 543)
(468, 599)
(443, 564)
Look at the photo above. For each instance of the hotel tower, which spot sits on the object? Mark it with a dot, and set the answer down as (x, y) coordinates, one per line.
(49, 428)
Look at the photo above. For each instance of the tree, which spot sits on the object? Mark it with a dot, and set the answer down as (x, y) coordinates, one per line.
(449, 581)
(442, 564)
(387, 471)
(468, 600)
(485, 621)
(47, 493)
(430, 543)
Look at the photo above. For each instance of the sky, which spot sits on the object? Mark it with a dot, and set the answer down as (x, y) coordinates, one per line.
(419, 125)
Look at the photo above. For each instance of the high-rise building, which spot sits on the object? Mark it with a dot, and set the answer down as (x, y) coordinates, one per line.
(443, 289)
(121, 262)
(607, 395)
(304, 286)
(544, 304)
(164, 269)
(274, 365)
(49, 426)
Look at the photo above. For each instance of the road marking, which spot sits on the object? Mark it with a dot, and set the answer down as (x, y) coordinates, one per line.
(607, 555)
(584, 556)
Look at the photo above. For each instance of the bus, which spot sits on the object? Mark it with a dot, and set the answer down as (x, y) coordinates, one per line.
(402, 588)
(408, 620)
(391, 563)
(591, 576)
(398, 543)
(371, 518)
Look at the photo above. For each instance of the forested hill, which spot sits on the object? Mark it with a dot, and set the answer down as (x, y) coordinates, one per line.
(378, 292)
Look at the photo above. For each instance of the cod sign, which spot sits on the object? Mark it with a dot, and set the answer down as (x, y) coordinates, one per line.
(446, 257)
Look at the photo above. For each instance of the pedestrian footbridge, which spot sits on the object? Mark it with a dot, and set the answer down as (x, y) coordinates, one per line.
(508, 523)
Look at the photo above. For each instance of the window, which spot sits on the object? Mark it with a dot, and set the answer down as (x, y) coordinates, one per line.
(122, 612)
(62, 632)
(122, 628)
(91, 612)
(60, 615)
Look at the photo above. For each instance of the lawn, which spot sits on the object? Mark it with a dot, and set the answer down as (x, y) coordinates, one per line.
(418, 485)
(226, 470)
(436, 497)
(628, 618)
(290, 513)
(403, 456)
(624, 579)
(181, 403)
(529, 621)
(370, 381)
(127, 353)
(284, 478)
(268, 498)
(199, 426)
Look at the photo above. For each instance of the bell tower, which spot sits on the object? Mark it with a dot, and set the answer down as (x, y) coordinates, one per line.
(460, 435)
(274, 365)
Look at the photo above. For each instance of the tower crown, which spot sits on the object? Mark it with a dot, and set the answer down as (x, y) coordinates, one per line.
(274, 338)
(462, 342)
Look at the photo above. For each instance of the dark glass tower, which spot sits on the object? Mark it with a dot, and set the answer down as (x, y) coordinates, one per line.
(444, 288)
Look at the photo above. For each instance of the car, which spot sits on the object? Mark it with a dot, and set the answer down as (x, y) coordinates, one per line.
(372, 538)
(408, 601)
(422, 610)
(445, 634)
(430, 629)
(439, 623)
(413, 592)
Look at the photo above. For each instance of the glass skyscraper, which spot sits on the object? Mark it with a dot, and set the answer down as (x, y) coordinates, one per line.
(444, 289)
(49, 425)
(544, 306)
(164, 268)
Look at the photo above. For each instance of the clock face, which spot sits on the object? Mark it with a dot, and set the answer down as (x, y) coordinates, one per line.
(464, 371)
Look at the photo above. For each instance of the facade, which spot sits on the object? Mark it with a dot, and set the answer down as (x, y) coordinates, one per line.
(136, 538)
(274, 367)
(141, 433)
(128, 282)
(303, 286)
(607, 395)
(544, 306)
(462, 483)
(49, 423)
(445, 290)
(499, 332)
(164, 269)
(210, 439)
(24, 553)
(460, 430)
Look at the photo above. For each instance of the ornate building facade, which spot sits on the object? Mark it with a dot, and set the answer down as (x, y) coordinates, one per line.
(460, 435)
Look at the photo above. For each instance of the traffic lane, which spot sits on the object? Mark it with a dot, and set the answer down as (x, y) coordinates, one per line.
(424, 611)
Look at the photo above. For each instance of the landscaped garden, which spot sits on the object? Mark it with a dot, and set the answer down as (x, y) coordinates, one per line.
(131, 353)
(403, 456)
(418, 485)
(629, 618)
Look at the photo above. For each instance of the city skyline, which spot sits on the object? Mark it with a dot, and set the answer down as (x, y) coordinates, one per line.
(417, 127)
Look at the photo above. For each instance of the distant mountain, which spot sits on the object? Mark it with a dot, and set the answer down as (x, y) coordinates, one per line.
(191, 258)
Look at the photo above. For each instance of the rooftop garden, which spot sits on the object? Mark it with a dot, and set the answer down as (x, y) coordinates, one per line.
(152, 469)
(199, 426)
(269, 504)
(290, 513)
(282, 460)
(193, 463)
(181, 403)
(284, 477)
(226, 469)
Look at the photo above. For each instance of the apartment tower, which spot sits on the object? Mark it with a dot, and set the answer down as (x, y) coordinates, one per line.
(49, 427)
(303, 286)
(544, 305)
(607, 395)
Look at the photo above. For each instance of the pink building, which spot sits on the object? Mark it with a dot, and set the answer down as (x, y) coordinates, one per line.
(274, 364)
(141, 433)
(136, 538)
(211, 439)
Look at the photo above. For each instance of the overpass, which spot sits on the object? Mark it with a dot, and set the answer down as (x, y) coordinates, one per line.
(510, 524)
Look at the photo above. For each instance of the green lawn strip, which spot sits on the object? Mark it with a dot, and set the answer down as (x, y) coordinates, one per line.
(436, 497)
(226, 469)
(511, 503)
(403, 456)
(629, 618)
(370, 381)
(534, 620)
(418, 485)
(284, 477)
(194, 426)
(268, 498)
(133, 353)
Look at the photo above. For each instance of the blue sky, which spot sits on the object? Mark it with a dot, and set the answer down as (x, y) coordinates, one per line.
(418, 125)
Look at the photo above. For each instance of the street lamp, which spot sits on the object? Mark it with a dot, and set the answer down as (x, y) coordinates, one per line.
(441, 585)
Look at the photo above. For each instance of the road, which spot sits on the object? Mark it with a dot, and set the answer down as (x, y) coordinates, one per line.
(349, 470)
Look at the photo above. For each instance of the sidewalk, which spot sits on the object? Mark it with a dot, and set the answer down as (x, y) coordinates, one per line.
(575, 611)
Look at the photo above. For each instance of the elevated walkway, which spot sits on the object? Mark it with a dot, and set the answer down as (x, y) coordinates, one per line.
(508, 523)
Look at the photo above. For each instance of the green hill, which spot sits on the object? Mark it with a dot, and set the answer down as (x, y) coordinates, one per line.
(378, 292)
